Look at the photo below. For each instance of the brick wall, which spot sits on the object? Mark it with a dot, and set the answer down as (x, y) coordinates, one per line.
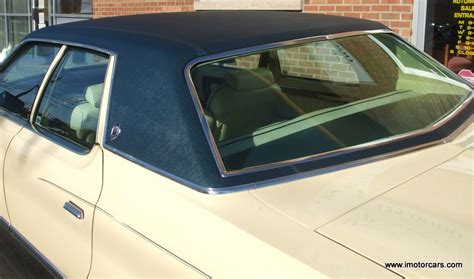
(106, 8)
(396, 14)
(320, 60)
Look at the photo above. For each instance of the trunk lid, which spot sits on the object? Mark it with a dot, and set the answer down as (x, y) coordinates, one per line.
(415, 208)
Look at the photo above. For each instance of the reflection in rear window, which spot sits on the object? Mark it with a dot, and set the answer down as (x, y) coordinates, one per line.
(305, 100)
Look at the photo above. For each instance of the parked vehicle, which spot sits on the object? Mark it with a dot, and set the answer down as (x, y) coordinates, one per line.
(235, 145)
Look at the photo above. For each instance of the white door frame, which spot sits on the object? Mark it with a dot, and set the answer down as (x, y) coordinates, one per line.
(419, 24)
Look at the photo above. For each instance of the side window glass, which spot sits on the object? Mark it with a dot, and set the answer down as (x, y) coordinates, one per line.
(69, 108)
(21, 78)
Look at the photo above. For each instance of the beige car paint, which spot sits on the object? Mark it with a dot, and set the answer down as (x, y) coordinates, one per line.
(253, 234)
(8, 130)
(319, 200)
(428, 219)
(223, 236)
(40, 177)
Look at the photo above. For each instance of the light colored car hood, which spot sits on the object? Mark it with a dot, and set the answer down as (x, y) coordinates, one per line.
(416, 207)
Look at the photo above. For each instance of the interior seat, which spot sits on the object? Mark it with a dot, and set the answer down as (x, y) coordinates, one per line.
(85, 116)
(248, 100)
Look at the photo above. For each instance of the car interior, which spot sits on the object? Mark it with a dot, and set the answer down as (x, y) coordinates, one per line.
(70, 106)
(85, 115)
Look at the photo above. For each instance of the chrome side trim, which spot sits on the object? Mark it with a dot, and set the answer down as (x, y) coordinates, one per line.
(65, 191)
(152, 242)
(189, 184)
(35, 252)
(248, 51)
(45, 82)
(340, 167)
(105, 103)
(289, 178)
(68, 43)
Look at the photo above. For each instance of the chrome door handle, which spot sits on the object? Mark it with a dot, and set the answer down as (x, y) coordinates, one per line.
(75, 210)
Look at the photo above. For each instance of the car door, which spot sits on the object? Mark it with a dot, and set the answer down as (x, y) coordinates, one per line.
(53, 168)
(20, 78)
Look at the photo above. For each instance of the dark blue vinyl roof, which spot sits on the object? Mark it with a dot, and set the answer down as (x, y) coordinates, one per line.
(210, 32)
(150, 99)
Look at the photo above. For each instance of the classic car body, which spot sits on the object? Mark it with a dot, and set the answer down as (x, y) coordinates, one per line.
(146, 177)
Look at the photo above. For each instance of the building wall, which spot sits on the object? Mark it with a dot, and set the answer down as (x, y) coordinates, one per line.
(396, 14)
(293, 5)
(108, 8)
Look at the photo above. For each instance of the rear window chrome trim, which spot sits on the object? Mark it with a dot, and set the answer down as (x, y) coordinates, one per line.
(340, 152)
(289, 178)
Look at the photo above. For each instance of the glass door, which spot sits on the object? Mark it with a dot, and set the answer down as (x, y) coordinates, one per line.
(450, 33)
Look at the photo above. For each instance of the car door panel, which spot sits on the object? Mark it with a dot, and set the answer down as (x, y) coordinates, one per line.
(8, 129)
(53, 168)
(40, 177)
(20, 77)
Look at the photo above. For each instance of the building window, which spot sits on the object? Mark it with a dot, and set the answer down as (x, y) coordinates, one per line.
(74, 6)
(17, 6)
(71, 10)
(20, 17)
(15, 23)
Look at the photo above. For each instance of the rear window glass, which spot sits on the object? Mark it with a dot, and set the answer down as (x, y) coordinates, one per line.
(311, 99)
(327, 60)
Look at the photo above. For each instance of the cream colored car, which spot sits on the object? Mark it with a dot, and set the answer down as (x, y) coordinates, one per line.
(236, 145)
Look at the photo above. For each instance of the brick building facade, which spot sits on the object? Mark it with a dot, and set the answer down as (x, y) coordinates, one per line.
(107, 8)
(431, 25)
(396, 14)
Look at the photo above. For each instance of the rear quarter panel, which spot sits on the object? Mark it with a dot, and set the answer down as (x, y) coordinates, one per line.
(149, 226)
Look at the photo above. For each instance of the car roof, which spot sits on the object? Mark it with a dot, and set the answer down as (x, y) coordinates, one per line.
(211, 32)
(150, 99)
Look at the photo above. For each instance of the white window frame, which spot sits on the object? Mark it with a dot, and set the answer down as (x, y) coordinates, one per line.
(419, 24)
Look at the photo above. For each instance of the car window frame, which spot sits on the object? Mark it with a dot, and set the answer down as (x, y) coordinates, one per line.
(103, 110)
(339, 152)
(71, 144)
(9, 59)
